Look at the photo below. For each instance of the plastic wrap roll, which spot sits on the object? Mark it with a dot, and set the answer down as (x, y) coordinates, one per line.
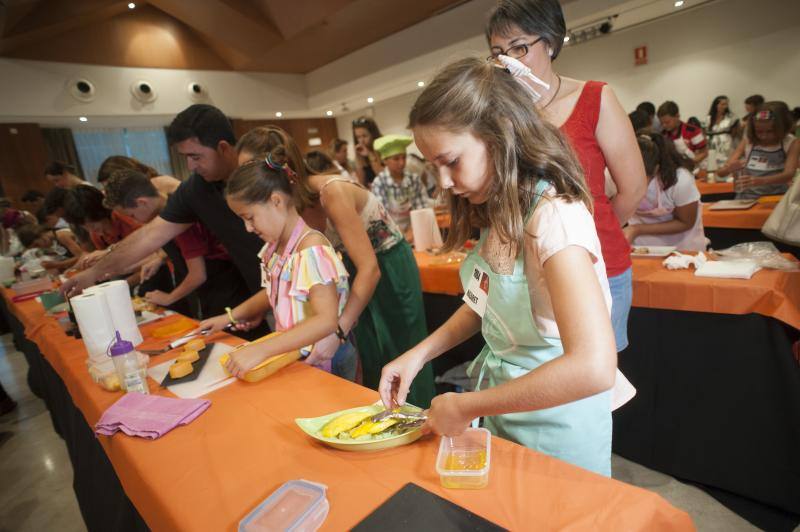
(118, 297)
(94, 321)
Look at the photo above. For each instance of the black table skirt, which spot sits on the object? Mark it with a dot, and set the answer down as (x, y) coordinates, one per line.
(718, 402)
(101, 499)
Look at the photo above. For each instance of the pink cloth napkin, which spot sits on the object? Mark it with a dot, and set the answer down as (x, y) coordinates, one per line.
(149, 416)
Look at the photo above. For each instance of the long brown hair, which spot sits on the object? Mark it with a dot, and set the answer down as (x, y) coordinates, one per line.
(473, 95)
(116, 163)
(282, 149)
(660, 157)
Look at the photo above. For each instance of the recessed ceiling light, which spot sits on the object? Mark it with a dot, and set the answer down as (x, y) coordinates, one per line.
(329, 113)
(420, 84)
(370, 99)
(678, 3)
(566, 38)
(279, 114)
(131, 5)
(83, 119)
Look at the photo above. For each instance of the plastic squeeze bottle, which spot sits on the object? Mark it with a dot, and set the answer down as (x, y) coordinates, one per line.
(131, 366)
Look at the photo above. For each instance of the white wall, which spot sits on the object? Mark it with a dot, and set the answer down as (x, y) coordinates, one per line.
(731, 47)
(36, 91)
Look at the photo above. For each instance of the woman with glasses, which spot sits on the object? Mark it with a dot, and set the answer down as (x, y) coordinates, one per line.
(368, 161)
(590, 116)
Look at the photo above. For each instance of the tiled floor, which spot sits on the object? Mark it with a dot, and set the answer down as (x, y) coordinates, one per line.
(36, 476)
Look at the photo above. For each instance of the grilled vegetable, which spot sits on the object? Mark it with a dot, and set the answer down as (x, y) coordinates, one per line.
(343, 423)
(371, 427)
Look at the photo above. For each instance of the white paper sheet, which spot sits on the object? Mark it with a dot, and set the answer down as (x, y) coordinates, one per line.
(212, 376)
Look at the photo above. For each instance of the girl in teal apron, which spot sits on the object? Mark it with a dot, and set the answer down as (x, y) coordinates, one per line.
(529, 389)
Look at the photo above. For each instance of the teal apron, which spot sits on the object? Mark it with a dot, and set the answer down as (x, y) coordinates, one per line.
(577, 432)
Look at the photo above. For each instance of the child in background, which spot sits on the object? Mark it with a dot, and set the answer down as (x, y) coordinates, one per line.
(164, 183)
(58, 249)
(368, 162)
(338, 154)
(670, 214)
(399, 190)
(385, 310)
(766, 159)
(689, 140)
(544, 309)
(305, 281)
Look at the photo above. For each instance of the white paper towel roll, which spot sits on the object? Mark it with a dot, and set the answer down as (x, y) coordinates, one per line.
(425, 229)
(6, 269)
(94, 321)
(118, 297)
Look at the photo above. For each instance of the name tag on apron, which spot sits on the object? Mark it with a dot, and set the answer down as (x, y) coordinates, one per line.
(477, 292)
(757, 163)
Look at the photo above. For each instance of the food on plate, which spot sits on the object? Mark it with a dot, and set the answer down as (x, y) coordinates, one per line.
(197, 344)
(344, 423)
(360, 426)
(140, 304)
(189, 355)
(641, 250)
(180, 368)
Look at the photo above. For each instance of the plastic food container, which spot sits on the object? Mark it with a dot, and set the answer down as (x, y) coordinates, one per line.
(298, 505)
(464, 461)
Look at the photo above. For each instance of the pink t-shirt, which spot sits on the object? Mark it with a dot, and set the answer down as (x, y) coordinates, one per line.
(557, 224)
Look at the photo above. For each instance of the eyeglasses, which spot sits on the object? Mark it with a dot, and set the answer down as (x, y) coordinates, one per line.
(516, 52)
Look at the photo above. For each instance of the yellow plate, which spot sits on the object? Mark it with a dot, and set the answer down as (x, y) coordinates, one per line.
(312, 426)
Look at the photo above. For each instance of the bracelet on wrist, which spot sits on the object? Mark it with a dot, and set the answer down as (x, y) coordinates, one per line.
(231, 319)
(341, 334)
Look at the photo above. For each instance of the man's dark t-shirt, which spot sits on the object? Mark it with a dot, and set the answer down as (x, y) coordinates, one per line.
(199, 200)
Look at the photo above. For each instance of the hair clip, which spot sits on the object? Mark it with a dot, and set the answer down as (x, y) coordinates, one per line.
(518, 69)
(290, 174)
(766, 114)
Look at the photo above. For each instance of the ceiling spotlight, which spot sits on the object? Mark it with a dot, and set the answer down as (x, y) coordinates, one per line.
(566, 38)
(83, 119)
(678, 3)
(328, 113)
(131, 5)
(279, 114)
(420, 84)
(370, 99)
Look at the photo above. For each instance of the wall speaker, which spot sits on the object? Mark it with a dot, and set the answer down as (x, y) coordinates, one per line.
(143, 91)
(82, 89)
(197, 91)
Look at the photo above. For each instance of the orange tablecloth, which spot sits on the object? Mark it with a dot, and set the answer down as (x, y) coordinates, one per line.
(211, 473)
(752, 218)
(713, 188)
(437, 276)
(771, 293)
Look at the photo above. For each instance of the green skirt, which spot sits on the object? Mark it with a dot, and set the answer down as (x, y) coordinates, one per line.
(393, 321)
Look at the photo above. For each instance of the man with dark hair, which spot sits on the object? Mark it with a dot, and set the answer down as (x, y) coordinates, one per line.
(202, 134)
(62, 175)
(640, 121)
(33, 200)
(752, 104)
(689, 140)
(650, 110)
(203, 262)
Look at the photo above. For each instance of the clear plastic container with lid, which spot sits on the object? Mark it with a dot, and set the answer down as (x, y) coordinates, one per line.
(463, 461)
(298, 505)
(131, 366)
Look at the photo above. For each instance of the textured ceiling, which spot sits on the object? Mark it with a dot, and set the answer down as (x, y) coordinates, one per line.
(290, 36)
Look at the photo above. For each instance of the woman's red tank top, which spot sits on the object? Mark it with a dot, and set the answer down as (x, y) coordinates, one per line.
(580, 130)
